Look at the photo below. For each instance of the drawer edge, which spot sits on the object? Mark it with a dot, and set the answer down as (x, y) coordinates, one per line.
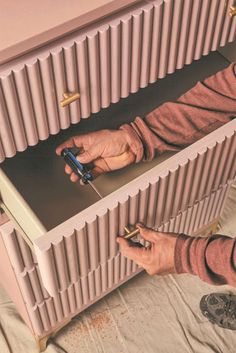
(100, 207)
(19, 210)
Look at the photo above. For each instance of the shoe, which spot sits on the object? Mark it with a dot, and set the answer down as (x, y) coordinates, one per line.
(220, 309)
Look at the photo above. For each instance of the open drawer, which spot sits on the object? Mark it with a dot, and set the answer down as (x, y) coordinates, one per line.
(61, 240)
(78, 262)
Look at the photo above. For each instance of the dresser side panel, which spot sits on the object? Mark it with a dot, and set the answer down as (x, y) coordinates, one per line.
(9, 282)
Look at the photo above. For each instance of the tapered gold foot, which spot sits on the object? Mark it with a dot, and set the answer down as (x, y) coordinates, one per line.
(208, 229)
(214, 228)
(42, 342)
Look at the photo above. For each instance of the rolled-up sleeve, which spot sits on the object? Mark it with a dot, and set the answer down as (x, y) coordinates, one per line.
(175, 125)
(213, 259)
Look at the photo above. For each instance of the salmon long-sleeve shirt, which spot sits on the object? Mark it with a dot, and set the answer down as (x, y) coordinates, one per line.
(175, 125)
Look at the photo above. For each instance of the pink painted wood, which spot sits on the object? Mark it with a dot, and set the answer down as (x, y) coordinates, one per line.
(77, 279)
(156, 197)
(9, 281)
(105, 62)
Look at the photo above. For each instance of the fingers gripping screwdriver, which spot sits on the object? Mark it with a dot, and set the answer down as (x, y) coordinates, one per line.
(79, 169)
(85, 174)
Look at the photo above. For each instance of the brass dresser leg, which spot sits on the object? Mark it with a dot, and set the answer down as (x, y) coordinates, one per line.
(214, 227)
(208, 229)
(42, 342)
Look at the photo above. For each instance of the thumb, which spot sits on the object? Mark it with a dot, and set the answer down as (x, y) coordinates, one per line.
(147, 233)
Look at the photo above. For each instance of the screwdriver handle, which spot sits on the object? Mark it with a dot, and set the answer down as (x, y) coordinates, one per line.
(77, 167)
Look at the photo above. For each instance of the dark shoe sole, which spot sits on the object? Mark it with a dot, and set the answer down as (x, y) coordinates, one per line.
(203, 308)
(221, 322)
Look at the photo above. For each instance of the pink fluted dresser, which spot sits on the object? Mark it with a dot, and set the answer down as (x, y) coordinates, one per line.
(70, 68)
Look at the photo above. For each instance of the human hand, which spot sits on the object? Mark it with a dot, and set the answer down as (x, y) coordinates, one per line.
(107, 150)
(158, 258)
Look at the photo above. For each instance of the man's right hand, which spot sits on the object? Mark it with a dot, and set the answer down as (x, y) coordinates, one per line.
(107, 149)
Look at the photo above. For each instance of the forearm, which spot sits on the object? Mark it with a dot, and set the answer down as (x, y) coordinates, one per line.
(175, 125)
(213, 259)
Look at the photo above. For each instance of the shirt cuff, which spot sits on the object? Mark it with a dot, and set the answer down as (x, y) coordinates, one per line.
(134, 141)
(178, 253)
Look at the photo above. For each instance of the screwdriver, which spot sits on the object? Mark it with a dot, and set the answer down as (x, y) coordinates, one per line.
(79, 169)
(85, 174)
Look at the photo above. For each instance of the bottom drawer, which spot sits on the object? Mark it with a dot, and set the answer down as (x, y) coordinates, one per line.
(48, 312)
(87, 240)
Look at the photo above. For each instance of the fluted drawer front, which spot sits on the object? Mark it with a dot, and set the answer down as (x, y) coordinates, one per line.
(105, 63)
(80, 288)
(102, 63)
(78, 262)
(154, 198)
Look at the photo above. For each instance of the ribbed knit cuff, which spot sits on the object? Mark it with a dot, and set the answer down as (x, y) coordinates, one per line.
(178, 263)
(134, 141)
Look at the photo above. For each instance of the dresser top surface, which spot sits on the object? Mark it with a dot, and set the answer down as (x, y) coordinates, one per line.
(28, 24)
